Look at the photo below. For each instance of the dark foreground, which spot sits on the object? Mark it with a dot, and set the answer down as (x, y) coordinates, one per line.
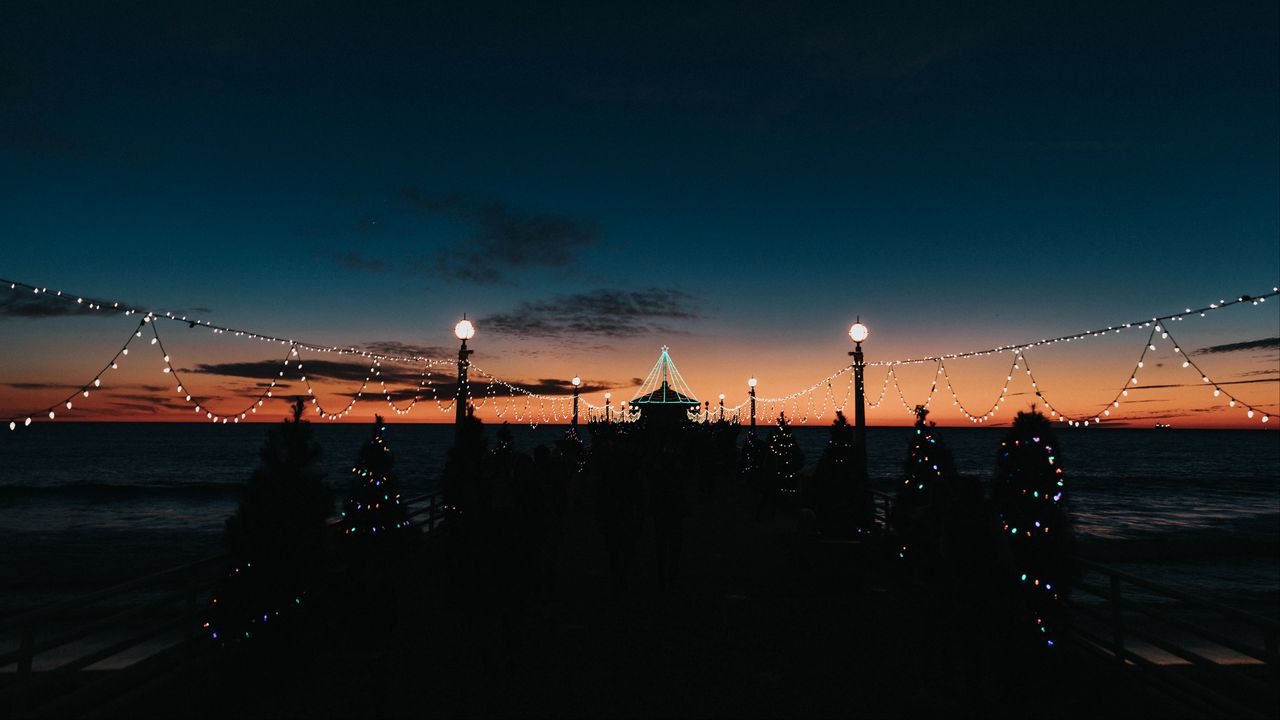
(765, 622)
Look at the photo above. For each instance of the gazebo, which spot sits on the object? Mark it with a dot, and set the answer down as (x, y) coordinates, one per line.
(664, 397)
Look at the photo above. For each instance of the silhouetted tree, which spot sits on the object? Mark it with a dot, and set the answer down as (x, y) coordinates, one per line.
(783, 461)
(840, 502)
(785, 457)
(1028, 496)
(751, 462)
(277, 537)
(372, 516)
(924, 495)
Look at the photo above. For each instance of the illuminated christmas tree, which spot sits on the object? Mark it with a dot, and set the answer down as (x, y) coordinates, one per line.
(923, 494)
(1028, 495)
(751, 463)
(784, 459)
(373, 512)
(276, 539)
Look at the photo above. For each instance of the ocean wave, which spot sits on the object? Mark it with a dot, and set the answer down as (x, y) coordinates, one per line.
(1239, 537)
(120, 491)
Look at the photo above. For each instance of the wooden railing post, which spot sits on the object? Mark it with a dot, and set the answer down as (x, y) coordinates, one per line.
(1117, 620)
(26, 647)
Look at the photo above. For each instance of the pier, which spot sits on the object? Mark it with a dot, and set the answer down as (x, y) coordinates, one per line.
(768, 620)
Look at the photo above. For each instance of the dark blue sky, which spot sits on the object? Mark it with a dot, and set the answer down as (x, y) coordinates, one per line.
(962, 174)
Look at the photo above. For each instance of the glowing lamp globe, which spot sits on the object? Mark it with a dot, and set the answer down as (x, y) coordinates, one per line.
(751, 382)
(576, 381)
(721, 396)
(464, 330)
(858, 333)
(608, 395)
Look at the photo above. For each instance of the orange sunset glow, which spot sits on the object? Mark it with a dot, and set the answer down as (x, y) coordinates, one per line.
(1078, 379)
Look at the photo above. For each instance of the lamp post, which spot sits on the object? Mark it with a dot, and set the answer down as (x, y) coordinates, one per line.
(858, 333)
(464, 331)
(721, 407)
(577, 384)
(608, 397)
(752, 384)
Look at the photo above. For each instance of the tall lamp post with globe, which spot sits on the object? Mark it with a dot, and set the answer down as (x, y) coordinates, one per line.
(751, 383)
(577, 384)
(858, 333)
(464, 331)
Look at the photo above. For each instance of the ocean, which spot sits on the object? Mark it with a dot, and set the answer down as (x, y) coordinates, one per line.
(86, 505)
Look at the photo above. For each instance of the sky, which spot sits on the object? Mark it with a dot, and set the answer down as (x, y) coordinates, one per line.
(591, 182)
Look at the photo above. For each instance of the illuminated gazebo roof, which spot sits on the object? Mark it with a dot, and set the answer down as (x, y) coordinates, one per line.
(664, 385)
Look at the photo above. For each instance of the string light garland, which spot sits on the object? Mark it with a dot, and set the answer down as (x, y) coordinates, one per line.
(1114, 403)
(550, 408)
(126, 309)
(236, 417)
(884, 387)
(24, 419)
(1218, 390)
(995, 406)
(903, 398)
(1145, 323)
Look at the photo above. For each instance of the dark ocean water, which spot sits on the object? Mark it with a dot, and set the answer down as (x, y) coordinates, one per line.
(83, 505)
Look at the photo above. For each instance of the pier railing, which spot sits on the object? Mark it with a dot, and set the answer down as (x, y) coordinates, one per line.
(114, 627)
(1131, 620)
(881, 505)
(148, 623)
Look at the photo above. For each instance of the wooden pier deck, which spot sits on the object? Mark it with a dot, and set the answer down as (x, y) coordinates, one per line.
(766, 622)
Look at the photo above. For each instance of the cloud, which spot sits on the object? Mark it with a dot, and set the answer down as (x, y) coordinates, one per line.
(1166, 414)
(354, 260)
(26, 304)
(395, 347)
(314, 369)
(1201, 384)
(598, 313)
(557, 386)
(500, 238)
(1272, 343)
(402, 395)
(145, 398)
(480, 388)
(44, 305)
(149, 405)
(60, 386)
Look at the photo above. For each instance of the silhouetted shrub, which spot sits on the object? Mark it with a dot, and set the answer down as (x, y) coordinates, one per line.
(276, 539)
